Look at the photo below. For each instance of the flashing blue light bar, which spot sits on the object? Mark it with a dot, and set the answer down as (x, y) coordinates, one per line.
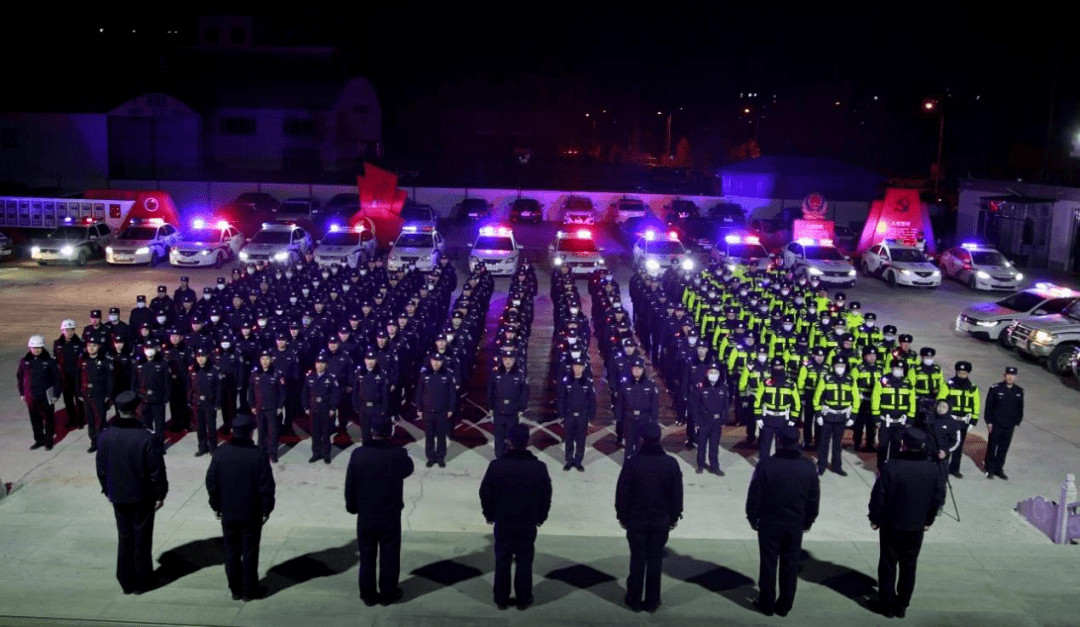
(199, 223)
(969, 245)
(732, 239)
(806, 241)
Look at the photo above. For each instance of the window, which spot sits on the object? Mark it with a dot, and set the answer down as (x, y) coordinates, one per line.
(238, 34)
(211, 35)
(104, 229)
(299, 127)
(238, 126)
(361, 109)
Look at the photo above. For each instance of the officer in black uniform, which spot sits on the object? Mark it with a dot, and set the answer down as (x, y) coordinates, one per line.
(241, 486)
(709, 408)
(371, 394)
(95, 380)
(638, 404)
(321, 396)
(204, 397)
(132, 475)
(435, 405)
(66, 350)
(39, 384)
(153, 384)
(266, 396)
(507, 397)
(576, 405)
(1004, 412)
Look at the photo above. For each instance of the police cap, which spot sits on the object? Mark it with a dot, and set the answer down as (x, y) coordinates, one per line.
(371, 355)
(202, 351)
(1010, 370)
(141, 298)
(777, 363)
(266, 352)
(638, 362)
(868, 350)
(323, 356)
(127, 402)
(906, 338)
(869, 316)
(963, 366)
(161, 289)
(847, 337)
(927, 351)
(888, 329)
(435, 356)
(818, 351)
(96, 313)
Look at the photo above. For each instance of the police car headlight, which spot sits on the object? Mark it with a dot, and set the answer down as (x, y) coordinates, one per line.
(1042, 337)
(652, 264)
(935, 273)
(986, 323)
(67, 251)
(243, 256)
(905, 272)
(35, 250)
(687, 264)
(600, 260)
(557, 261)
(282, 256)
(851, 272)
(983, 275)
(1019, 277)
(108, 249)
(814, 271)
(142, 251)
(204, 253)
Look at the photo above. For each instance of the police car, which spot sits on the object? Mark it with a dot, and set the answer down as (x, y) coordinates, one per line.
(991, 320)
(277, 242)
(143, 241)
(742, 250)
(980, 268)
(655, 252)
(497, 248)
(577, 210)
(576, 250)
(6, 248)
(74, 242)
(628, 207)
(1053, 337)
(346, 246)
(819, 257)
(207, 245)
(419, 245)
(901, 263)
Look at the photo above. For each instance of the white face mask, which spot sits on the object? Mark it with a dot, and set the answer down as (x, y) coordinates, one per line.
(346, 287)
(839, 370)
(206, 296)
(221, 286)
(787, 326)
(572, 340)
(161, 319)
(691, 340)
(326, 275)
(798, 300)
(929, 361)
(141, 304)
(305, 291)
(898, 372)
(363, 272)
(263, 321)
(812, 310)
(890, 338)
(113, 317)
(762, 358)
(226, 345)
(150, 353)
(573, 311)
(870, 324)
(251, 270)
(575, 354)
(713, 377)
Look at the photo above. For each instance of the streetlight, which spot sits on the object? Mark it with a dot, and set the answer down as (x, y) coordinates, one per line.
(667, 143)
(930, 105)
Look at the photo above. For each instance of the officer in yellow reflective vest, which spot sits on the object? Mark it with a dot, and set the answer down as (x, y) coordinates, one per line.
(893, 402)
(836, 403)
(777, 404)
(963, 398)
(754, 371)
(866, 375)
(929, 385)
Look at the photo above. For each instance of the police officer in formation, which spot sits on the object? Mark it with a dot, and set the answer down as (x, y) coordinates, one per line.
(709, 409)
(266, 396)
(963, 396)
(435, 403)
(371, 394)
(1004, 412)
(204, 397)
(576, 405)
(836, 402)
(95, 384)
(39, 383)
(153, 385)
(320, 399)
(507, 397)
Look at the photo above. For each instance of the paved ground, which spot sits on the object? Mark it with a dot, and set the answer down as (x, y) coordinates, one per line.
(57, 538)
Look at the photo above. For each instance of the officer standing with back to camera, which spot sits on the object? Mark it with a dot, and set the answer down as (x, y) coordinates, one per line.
(515, 497)
(132, 474)
(781, 505)
(39, 383)
(906, 497)
(241, 486)
(1004, 412)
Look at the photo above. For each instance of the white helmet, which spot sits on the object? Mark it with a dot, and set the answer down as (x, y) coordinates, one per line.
(68, 323)
(36, 341)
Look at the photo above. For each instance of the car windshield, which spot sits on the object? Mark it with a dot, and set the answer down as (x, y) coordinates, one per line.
(577, 245)
(494, 243)
(631, 205)
(579, 204)
(1021, 301)
(138, 233)
(293, 207)
(525, 204)
(341, 238)
(414, 240)
(271, 237)
(823, 253)
(988, 258)
(747, 251)
(202, 235)
(666, 248)
(1073, 311)
(909, 255)
(416, 214)
(67, 232)
(474, 203)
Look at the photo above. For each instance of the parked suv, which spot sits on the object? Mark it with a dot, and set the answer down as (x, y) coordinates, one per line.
(1053, 337)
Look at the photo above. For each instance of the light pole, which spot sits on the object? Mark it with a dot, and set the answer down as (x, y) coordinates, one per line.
(667, 142)
(929, 106)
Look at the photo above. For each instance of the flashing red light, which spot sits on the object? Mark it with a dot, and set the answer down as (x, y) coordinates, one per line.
(584, 234)
(753, 239)
(673, 235)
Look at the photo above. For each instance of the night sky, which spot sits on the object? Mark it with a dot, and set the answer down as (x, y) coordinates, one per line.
(699, 59)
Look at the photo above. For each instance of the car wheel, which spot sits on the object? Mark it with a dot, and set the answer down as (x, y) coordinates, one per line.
(1004, 339)
(219, 260)
(890, 278)
(81, 260)
(866, 269)
(971, 282)
(154, 259)
(1060, 362)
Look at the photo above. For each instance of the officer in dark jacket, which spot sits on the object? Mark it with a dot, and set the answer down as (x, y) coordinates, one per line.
(320, 395)
(132, 475)
(204, 397)
(637, 404)
(39, 383)
(1004, 411)
(942, 434)
(781, 505)
(507, 397)
(515, 496)
(374, 483)
(66, 349)
(709, 411)
(266, 396)
(371, 394)
(648, 504)
(95, 381)
(576, 405)
(905, 499)
(153, 385)
(435, 405)
(241, 488)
